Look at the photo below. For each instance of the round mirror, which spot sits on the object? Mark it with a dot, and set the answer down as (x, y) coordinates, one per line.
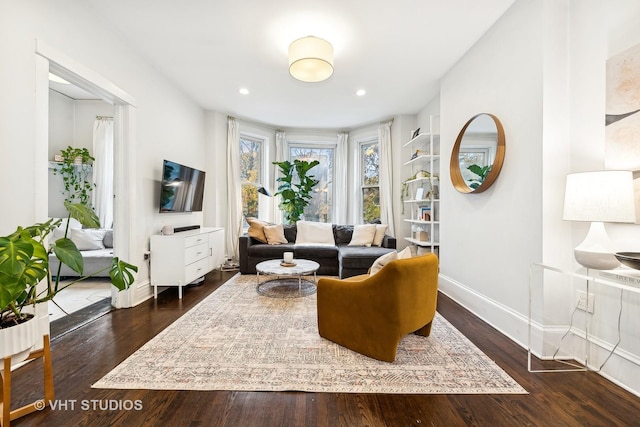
(478, 154)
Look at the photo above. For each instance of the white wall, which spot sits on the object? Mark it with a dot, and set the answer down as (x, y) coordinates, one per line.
(168, 124)
(541, 70)
(70, 124)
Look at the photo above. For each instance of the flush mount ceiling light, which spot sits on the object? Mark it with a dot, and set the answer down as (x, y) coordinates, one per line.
(311, 59)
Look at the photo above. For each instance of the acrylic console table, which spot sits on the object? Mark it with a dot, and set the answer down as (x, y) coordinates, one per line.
(622, 279)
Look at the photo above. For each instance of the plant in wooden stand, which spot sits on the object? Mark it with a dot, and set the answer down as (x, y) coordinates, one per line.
(295, 187)
(75, 170)
(24, 264)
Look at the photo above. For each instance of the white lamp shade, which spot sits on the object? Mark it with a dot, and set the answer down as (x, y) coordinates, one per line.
(311, 59)
(605, 196)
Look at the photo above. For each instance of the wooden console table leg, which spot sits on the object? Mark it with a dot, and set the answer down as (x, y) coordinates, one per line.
(5, 394)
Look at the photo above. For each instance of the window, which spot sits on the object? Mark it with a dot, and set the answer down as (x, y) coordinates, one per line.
(250, 173)
(320, 207)
(370, 183)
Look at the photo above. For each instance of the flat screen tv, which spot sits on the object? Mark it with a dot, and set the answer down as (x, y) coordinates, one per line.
(182, 188)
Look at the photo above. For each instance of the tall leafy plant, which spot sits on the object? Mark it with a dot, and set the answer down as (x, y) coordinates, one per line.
(295, 187)
(75, 170)
(481, 172)
(24, 263)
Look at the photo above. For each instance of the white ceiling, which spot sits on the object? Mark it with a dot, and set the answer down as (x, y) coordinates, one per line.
(395, 50)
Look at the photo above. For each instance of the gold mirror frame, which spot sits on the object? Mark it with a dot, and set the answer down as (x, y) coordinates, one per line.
(454, 166)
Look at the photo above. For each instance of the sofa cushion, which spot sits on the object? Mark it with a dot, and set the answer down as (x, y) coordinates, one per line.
(342, 234)
(88, 239)
(256, 229)
(363, 235)
(275, 234)
(315, 251)
(360, 257)
(269, 251)
(380, 232)
(108, 239)
(314, 233)
(290, 232)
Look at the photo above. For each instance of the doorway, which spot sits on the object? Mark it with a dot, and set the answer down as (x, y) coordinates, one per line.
(50, 60)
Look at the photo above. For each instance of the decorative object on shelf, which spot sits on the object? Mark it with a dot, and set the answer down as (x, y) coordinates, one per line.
(478, 154)
(310, 59)
(419, 153)
(58, 158)
(425, 213)
(420, 235)
(415, 133)
(76, 175)
(295, 194)
(599, 197)
(419, 193)
(630, 259)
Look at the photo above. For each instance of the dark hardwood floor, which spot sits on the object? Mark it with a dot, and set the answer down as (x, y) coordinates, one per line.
(92, 348)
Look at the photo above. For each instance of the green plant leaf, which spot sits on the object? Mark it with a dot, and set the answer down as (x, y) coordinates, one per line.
(84, 214)
(121, 274)
(14, 255)
(68, 254)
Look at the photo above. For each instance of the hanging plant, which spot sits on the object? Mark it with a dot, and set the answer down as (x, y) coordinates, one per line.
(76, 173)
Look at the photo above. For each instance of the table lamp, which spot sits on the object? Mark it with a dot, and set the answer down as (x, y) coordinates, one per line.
(599, 197)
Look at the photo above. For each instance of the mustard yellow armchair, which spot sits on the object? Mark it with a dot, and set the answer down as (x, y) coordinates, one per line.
(371, 314)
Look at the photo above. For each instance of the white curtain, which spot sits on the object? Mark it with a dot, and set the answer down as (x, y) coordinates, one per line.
(234, 212)
(103, 170)
(386, 178)
(280, 156)
(341, 184)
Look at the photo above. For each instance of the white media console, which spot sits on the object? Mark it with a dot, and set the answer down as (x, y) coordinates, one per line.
(182, 258)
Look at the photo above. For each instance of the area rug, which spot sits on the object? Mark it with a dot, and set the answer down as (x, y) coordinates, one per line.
(238, 340)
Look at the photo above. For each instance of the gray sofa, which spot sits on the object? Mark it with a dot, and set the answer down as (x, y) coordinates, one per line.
(97, 259)
(339, 260)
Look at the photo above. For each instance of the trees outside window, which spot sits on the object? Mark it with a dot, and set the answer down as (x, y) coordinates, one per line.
(320, 208)
(370, 181)
(251, 151)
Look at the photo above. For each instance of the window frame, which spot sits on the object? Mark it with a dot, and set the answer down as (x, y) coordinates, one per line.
(263, 175)
(316, 144)
(373, 140)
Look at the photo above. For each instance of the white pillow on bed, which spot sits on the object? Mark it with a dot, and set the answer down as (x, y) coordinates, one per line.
(319, 233)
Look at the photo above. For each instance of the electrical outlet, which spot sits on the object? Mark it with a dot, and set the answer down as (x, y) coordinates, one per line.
(583, 303)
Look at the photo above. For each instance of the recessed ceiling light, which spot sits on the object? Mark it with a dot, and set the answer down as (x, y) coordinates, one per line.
(244, 91)
(361, 92)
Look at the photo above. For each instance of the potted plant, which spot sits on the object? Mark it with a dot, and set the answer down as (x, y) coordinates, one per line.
(24, 263)
(75, 170)
(295, 193)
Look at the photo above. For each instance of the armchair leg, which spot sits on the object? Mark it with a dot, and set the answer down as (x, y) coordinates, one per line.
(425, 331)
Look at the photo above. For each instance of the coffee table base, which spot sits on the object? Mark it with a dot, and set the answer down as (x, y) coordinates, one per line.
(289, 287)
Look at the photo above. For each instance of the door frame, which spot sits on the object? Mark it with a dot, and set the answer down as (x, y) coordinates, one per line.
(125, 207)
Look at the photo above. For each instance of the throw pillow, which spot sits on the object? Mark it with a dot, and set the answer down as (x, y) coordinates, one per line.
(318, 233)
(405, 253)
(256, 229)
(275, 234)
(88, 239)
(363, 235)
(379, 237)
(382, 261)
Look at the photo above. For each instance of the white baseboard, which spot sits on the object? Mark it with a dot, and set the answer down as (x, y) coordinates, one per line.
(623, 368)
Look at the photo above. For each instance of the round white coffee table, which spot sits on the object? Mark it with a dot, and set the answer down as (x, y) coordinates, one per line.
(285, 284)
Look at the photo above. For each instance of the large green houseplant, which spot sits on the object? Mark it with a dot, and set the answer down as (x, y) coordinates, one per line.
(295, 187)
(24, 263)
